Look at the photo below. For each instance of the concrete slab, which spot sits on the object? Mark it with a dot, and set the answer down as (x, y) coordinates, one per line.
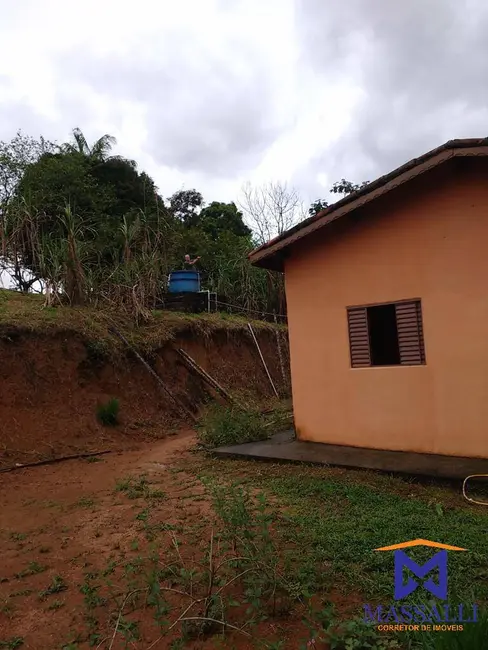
(284, 447)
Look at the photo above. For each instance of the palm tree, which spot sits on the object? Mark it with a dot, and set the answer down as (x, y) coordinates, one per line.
(99, 151)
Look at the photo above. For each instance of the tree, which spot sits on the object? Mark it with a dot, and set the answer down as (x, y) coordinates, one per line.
(15, 157)
(221, 217)
(185, 205)
(340, 187)
(317, 206)
(347, 187)
(99, 189)
(99, 151)
(58, 179)
(271, 209)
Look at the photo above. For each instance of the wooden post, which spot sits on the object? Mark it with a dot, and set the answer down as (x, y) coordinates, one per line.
(193, 365)
(180, 405)
(280, 354)
(262, 359)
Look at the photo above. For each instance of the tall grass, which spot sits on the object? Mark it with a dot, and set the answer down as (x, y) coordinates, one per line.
(65, 253)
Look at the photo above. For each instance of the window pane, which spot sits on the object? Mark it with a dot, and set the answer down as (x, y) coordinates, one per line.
(383, 336)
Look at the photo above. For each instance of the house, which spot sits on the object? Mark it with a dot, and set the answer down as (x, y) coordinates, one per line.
(387, 294)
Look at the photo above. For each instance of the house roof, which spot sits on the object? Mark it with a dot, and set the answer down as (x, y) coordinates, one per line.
(271, 254)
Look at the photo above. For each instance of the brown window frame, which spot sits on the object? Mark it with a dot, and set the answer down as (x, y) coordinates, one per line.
(409, 331)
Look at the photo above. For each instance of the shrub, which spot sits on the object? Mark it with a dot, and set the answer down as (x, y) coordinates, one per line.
(108, 413)
(230, 426)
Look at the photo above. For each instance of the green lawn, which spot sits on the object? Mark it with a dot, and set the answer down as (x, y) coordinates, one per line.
(331, 520)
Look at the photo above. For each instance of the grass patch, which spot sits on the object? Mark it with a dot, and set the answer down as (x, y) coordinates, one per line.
(56, 587)
(108, 413)
(32, 569)
(85, 502)
(332, 520)
(138, 488)
(24, 313)
(13, 643)
(231, 426)
(342, 523)
(55, 605)
(473, 636)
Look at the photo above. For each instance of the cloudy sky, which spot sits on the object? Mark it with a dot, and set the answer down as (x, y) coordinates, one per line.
(212, 93)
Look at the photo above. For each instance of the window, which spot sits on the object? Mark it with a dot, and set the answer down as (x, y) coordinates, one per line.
(386, 335)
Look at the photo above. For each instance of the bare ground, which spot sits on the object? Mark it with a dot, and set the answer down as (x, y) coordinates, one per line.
(60, 523)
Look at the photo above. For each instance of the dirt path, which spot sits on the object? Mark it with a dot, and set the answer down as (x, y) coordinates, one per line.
(72, 532)
(61, 520)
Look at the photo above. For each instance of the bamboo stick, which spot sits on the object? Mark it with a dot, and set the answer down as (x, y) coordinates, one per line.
(262, 359)
(59, 459)
(180, 405)
(280, 354)
(191, 363)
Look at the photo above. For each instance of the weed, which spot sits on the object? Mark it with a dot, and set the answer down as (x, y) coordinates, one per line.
(473, 635)
(13, 643)
(23, 592)
(93, 459)
(96, 350)
(85, 502)
(137, 488)
(91, 593)
(357, 635)
(230, 426)
(55, 605)
(18, 537)
(75, 639)
(340, 522)
(32, 569)
(108, 413)
(57, 586)
(129, 630)
(7, 607)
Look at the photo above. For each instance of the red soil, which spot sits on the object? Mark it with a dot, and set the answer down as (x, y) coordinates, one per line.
(69, 520)
(50, 386)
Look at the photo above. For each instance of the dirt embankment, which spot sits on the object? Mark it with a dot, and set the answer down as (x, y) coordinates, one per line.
(52, 381)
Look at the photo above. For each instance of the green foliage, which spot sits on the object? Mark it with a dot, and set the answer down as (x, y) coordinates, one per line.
(347, 187)
(230, 426)
(32, 569)
(185, 205)
(94, 227)
(13, 643)
(317, 206)
(357, 635)
(57, 586)
(217, 218)
(138, 488)
(15, 157)
(108, 413)
(473, 635)
(340, 187)
(343, 521)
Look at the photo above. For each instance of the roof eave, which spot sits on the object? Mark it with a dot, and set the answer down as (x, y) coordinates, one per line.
(266, 255)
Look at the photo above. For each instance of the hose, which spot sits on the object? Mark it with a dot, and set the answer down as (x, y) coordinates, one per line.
(480, 503)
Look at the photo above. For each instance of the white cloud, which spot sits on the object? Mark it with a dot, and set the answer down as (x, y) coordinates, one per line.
(210, 93)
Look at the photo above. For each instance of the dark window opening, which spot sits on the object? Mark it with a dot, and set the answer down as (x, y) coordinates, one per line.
(386, 335)
(383, 336)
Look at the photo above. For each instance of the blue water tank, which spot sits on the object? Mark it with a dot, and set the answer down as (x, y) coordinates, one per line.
(184, 282)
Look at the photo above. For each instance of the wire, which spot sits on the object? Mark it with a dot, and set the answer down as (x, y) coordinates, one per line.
(253, 311)
(480, 503)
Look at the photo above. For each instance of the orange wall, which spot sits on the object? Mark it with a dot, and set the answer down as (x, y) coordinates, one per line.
(427, 240)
